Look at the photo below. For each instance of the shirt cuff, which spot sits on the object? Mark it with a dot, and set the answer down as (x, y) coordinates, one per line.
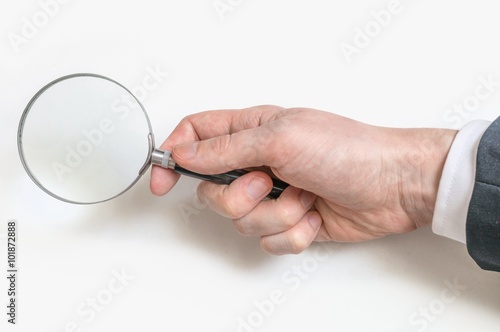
(457, 182)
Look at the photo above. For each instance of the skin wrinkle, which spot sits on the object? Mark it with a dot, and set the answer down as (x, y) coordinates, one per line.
(221, 147)
(339, 223)
(188, 124)
(407, 201)
(427, 162)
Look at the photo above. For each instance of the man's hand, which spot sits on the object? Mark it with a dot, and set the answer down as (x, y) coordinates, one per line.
(349, 181)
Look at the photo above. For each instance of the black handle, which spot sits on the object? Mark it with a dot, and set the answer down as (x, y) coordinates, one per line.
(227, 178)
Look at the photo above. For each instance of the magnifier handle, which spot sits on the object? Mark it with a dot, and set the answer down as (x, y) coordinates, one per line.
(163, 158)
(227, 178)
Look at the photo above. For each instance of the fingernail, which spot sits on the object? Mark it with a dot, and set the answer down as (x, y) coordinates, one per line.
(186, 151)
(257, 188)
(307, 198)
(314, 220)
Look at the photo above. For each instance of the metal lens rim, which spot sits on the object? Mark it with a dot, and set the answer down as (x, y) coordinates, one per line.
(25, 114)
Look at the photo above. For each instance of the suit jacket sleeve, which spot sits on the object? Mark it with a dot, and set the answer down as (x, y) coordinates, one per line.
(483, 216)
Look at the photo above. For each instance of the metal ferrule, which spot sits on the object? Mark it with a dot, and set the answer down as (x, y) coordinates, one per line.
(162, 158)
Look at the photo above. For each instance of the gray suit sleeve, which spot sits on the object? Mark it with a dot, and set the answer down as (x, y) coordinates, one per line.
(483, 217)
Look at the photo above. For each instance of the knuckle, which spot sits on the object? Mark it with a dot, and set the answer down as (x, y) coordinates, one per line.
(230, 207)
(242, 227)
(200, 193)
(267, 108)
(298, 243)
(188, 120)
(292, 244)
(265, 244)
(287, 217)
(221, 147)
(214, 197)
(266, 146)
(207, 193)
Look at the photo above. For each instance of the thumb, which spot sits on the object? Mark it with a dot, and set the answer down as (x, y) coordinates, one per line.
(248, 148)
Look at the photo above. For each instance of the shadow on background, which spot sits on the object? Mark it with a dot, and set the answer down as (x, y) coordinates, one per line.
(175, 217)
(419, 257)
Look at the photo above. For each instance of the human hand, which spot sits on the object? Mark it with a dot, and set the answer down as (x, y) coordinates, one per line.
(349, 181)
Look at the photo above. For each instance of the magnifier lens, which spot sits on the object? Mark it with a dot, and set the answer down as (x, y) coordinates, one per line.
(83, 138)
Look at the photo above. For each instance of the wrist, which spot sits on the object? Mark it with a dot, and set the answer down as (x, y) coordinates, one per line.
(422, 155)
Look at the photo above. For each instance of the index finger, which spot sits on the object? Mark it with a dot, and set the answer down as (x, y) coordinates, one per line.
(205, 125)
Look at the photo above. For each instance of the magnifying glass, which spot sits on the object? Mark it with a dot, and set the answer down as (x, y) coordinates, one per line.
(85, 139)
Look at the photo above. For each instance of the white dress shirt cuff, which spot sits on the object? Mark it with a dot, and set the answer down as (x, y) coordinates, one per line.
(457, 182)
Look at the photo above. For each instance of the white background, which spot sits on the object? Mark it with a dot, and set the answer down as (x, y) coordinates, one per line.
(191, 270)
